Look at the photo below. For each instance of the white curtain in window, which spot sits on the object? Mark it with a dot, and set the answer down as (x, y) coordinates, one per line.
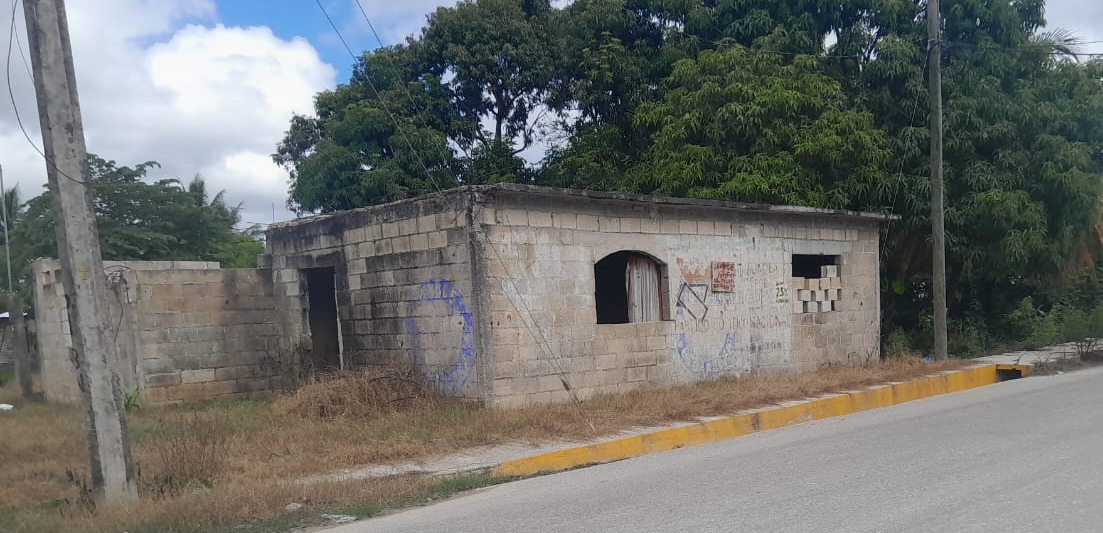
(642, 278)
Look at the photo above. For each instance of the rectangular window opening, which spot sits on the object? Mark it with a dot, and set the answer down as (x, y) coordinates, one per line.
(817, 284)
(812, 266)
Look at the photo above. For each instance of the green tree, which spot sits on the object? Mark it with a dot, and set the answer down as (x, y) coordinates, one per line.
(382, 137)
(1022, 159)
(500, 58)
(136, 219)
(744, 124)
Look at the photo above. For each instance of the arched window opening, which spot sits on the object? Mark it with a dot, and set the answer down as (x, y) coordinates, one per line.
(629, 287)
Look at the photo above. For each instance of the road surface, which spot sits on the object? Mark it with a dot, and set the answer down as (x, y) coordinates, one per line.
(1021, 456)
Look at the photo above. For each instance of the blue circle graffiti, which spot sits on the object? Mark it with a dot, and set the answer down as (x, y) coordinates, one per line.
(454, 378)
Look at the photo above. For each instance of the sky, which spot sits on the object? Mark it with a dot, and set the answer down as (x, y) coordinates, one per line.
(208, 86)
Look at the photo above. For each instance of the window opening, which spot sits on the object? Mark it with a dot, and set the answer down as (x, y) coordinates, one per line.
(816, 283)
(629, 288)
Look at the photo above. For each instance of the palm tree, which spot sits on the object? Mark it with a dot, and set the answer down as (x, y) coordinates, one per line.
(1059, 42)
(13, 204)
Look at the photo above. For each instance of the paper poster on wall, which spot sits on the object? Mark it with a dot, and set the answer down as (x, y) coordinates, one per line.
(723, 277)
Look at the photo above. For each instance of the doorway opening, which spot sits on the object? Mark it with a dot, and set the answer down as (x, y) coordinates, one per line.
(325, 327)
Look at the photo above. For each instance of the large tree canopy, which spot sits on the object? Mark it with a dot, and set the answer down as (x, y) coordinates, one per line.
(813, 102)
(740, 124)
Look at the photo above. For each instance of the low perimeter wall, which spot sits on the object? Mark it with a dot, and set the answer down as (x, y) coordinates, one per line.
(183, 330)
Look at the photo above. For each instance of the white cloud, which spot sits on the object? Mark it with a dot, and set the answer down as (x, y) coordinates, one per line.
(161, 80)
(1084, 18)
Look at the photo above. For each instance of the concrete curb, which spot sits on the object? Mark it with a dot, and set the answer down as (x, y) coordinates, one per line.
(774, 417)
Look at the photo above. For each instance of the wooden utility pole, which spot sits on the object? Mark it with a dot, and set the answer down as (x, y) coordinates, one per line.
(938, 223)
(79, 250)
(20, 353)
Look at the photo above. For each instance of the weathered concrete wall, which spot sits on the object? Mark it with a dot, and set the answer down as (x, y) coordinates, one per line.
(548, 247)
(404, 285)
(183, 330)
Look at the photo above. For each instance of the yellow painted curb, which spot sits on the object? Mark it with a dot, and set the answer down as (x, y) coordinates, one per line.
(751, 422)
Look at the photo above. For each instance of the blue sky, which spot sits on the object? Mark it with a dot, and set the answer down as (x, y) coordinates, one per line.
(303, 18)
(209, 86)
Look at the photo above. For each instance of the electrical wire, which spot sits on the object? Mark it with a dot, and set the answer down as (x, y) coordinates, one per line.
(15, 107)
(382, 102)
(533, 328)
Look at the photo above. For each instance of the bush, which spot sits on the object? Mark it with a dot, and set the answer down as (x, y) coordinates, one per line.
(1033, 327)
(364, 393)
(898, 343)
(1084, 329)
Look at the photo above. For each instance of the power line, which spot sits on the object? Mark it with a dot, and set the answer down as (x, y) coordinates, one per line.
(382, 102)
(15, 107)
(533, 328)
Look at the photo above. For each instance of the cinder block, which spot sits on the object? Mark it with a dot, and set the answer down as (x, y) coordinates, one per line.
(407, 226)
(426, 223)
(829, 271)
(513, 217)
(827, 307)
(162, 380)
(799, 284)
(565, 220)
(609, 224)
(804, 295)
(418, 242)
(231, 373)
(819, 296)
(811, 307)
(836, 283)
(540, 219)
(813, 284)
(833, 294)
(389, 229)
(197, 376)
(587, 222)
(798, 306)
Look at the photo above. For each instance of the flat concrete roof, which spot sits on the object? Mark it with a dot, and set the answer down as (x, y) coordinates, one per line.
(514, 189)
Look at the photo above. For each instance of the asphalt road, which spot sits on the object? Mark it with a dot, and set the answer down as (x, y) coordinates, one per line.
(1021, 456)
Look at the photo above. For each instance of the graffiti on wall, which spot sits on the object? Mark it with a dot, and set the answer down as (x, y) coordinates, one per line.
(452, 371)
(729, 317)
(723, 277)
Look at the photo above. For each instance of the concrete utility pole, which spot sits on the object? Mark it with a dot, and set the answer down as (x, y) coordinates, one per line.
(79, 250)
(938, 224)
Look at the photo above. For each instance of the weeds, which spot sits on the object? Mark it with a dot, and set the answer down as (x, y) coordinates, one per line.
(215, 466)
(190, 458)
(130, 400)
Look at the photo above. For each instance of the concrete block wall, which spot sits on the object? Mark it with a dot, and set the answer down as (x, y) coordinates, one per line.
(541, 313)
(405, 288)
(183, 330)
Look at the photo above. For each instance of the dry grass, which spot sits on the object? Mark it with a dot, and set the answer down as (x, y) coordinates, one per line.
(223, 463)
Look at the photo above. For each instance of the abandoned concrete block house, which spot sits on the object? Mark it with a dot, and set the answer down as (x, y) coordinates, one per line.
(499, 294)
